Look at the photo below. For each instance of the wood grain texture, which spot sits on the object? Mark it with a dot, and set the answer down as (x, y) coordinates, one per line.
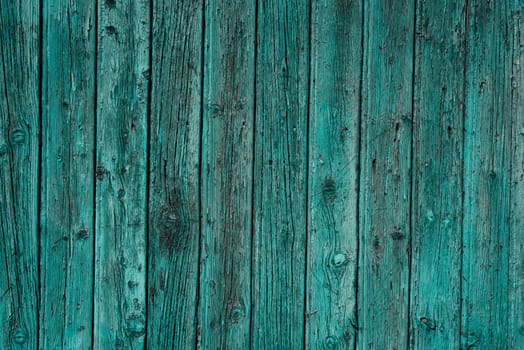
(121, 169)
(280, 185)
(67, 205)
(437, 180)
(174, 229)
(385, 186)
(515, 333)
(487, 174)
(336, 65)
(19, 173)
(227, 175)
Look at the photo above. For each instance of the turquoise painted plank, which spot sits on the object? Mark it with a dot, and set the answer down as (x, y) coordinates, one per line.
(19, 170)
(121, 174)
(174, 206)
(67, 205)
(279, 257)
(336, 68)
(227, 175)
(437, 175)
(487, 175)
(385, 177)
(516, 253)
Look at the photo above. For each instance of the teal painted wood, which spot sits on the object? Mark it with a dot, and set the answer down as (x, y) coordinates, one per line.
(487, 154)
(515, 333)
(67, 205)
(174, 229)
(19, 170)
(336, 57)
(227, 175)
(437, 175)
(121, 169)
(385, 186)
(279, 257)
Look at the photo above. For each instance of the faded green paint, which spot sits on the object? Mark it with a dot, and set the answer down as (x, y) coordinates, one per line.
(280, 175)
(222, 174)
(121, 174)
(438, 109)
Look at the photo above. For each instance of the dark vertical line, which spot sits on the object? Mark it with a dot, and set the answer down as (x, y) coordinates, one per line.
(95, 98)
(148, 165)
(39, 170)
(306, 245)
(412, 161)
(200, 180)
(253, 209)
(359, 140)
(464, 96)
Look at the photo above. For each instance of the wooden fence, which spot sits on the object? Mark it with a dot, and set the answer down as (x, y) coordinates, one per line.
(270, 174)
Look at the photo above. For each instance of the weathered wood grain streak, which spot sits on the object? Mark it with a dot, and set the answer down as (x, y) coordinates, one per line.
(280, 168)
(336, 65)
(121, 168)
(174, 229)
(515, 333)
(67, 206)
(437, 180)
(227, 174)
(19, 163)
(487, 174)
(385, 186)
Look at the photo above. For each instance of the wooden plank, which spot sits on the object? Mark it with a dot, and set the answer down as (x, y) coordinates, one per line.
(67, 206)
(486, 177)
(19, 173)
(121, 174)
(516, 254)
(385, 186)
(336, 57)
(174, 174)
(281, 173)
(437, 179)
(227, 175)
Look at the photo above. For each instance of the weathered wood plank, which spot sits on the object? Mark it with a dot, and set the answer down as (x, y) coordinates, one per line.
(174, 174)
(336, 57)
(121, 169)
(516, 254)
(486, 176)
(280, 167)
(227, 175)
(437, 179)
(385, 186)
(19, 178)
(67, 206)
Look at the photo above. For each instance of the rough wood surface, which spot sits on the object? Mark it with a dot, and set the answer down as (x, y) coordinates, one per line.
(227, 175)
(385, 176)
(279, 256)
(516, 255)
(336, 40)
(121, 174)
(19, 173)
(174, 209)
(67, 205)
(487, 172)
(323, 174)
(437, 175)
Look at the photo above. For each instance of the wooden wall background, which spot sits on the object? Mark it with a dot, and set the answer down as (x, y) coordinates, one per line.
(285, 174)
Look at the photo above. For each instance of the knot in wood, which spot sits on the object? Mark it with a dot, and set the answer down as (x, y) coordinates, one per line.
(172, 226)
(19, 337)
(135, 325)
(329, 190)
(17, 136)
(332, 343)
